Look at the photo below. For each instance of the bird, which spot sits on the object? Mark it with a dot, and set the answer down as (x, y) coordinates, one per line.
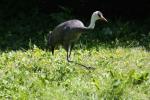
(68, 32)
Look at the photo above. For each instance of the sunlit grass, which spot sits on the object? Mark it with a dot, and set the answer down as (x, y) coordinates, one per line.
(121, 73)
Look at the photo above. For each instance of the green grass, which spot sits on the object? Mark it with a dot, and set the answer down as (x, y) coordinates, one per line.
(121, 73)
(118, 50)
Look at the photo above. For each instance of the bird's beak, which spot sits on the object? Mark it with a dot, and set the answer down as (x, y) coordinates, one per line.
(104, 19)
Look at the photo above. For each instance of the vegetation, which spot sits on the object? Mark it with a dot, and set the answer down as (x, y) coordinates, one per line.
(121, 73)
(119, 50)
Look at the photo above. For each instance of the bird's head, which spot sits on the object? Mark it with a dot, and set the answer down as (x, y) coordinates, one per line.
(97, 15)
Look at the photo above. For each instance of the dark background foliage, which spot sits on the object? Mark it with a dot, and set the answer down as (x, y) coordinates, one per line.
(118, 8)
(28, 21)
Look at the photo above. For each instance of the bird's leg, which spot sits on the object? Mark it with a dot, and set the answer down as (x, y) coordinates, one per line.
(68, 53)
(68, 48)
(71, 46)
(52, 49)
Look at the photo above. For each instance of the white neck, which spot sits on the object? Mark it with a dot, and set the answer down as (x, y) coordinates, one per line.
(92, 23)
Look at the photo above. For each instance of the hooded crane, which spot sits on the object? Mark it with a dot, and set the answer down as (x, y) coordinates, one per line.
(67, 33)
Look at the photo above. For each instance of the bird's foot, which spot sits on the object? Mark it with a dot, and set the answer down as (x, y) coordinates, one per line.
(68, 59)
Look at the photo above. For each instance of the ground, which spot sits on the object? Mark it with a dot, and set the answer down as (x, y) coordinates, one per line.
(121, 73)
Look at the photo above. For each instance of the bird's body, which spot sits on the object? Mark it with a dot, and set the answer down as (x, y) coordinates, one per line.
(67, 33)
(70, 32)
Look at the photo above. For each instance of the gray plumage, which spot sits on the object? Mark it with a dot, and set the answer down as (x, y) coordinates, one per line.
(67, 33)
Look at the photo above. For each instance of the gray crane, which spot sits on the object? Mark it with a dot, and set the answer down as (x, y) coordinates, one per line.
(67, 33)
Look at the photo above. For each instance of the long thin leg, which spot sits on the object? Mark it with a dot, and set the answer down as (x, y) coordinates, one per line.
(67, 47)
(50, 42)
(68, 53)
(52, 49)
(70, 49)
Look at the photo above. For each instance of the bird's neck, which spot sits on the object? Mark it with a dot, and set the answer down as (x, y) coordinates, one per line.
(92, 23)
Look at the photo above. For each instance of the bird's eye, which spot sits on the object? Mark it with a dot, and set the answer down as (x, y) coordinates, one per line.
(99, 15)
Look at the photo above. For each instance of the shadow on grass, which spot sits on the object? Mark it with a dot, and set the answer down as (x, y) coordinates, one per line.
(82, 65)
